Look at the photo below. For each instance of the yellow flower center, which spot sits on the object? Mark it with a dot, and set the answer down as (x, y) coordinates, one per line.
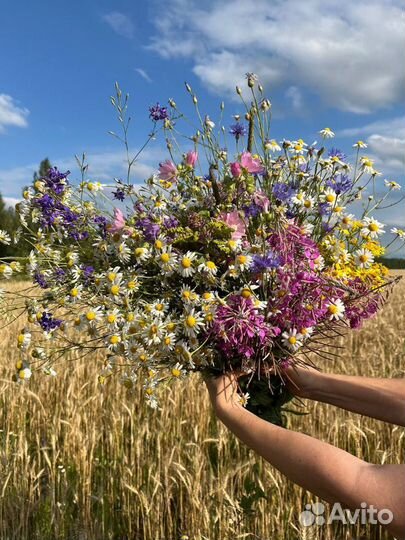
(111, 276)
(373, 227)
(139, 252)
(130, 317)
(114, 340)
(211, 265)
(246, 293)
(332, 309)
(186, 262)
(171, 326)
(115, 290)
(74, 292)
(111, 318)
(90, 315)
(165, 258)
(307, 204)
(158, 244)
(176, 372)
(131, 285)
(330, 198)
(242, 259)
(292, 340)
(191, 321)
(160, 307)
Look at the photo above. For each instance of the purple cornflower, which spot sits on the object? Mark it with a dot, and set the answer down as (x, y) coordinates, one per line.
(171, 222)
(335, 152)
(40, 280)
(150, 229)
(56, 180)
(340, 184)
(119, 194)
(156, 112)
(324, 209)
(252, 210)
(88, 270)
(48, 323)
(270, 260)
(101, 221)
(282, 191)
(237, 130)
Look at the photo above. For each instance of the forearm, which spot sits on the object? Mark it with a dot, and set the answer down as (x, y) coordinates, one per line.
(308, 462)
(383, 399)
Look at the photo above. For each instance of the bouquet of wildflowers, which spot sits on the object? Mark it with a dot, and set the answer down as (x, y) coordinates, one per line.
(247, 262)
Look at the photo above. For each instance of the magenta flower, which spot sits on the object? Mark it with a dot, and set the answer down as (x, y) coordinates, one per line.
(239, 330)
(191, 158)
(234, 221)
(236, 169)
(119, 222)
(168, 171)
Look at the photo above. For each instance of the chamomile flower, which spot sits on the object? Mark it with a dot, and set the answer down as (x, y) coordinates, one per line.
(360, 144)
(319, 263)
(328, 196)
(307, 203)
(141, 254)
(169, 341)
(24, 339)
(192, 322)
(167, 260)
(4, 237)
(208, 267)
(124, 252)
(188, 296)
(272, 145)
(112, 317)
(372, 228)
(399, 232)
(153, 333)
(367, 165)
(75, 293)
(178, 371)
(243, 399)
(24, 374)
(92, 315)
(391, 184)
(335, 309)
(292, 339)
(327, 133)
(346, 221)
(185, 266)
(363, 258)
(6, 271)
(159, 308)
(243, 261)
(305, 332)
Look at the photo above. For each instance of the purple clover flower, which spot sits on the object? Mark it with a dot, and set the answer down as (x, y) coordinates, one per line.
(237, 130)
(56, 180)
(156, 113)
(150, 229)
(40, 280)
(48, 323)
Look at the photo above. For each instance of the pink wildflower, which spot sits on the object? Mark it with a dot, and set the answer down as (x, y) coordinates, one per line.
(119, 222)
(168, 171)
(191, 158)
(234, 221)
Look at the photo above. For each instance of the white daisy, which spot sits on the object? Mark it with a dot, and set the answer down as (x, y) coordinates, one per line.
(185, 266)
(336, 309)
(243, 261)
(292, 339)
(192, 322)
(372, 227)
(328, 196)
(327, 133)
(363, 258)
(4, 237)
(208, 267)
(399, 232)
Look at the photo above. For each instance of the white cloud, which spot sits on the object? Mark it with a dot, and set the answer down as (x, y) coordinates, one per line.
(11, 114)
(349, 53)
(390, 127)
(143, 74)
(120, 23)
(294, 94)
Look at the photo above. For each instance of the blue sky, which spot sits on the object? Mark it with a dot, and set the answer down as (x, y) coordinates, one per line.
(323, 63)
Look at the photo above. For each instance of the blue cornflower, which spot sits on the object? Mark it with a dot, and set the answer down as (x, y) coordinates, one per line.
(340, 184)
(335, 152)
(237, 130)
(56, 180)
(262, 263)
(282, 191)
(156, 112)
(119, 194)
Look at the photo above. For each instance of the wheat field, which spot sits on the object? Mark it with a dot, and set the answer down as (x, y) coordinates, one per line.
(80, 462)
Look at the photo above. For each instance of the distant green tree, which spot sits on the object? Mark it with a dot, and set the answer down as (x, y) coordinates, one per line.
(9, 223)
(44, 167)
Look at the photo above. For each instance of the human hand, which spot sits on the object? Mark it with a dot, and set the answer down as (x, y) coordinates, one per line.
(301, 380)
(223, 390)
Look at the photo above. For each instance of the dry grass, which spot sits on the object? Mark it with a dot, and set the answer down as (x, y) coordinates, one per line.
(80, 463)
